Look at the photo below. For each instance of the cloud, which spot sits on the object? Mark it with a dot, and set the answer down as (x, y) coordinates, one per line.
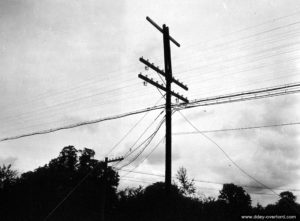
(12, 8)
(195, 115)
(8, 160)
(158, 157)
(274, 162)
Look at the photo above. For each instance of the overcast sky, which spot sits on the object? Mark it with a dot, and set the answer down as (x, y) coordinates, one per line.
(64, 62)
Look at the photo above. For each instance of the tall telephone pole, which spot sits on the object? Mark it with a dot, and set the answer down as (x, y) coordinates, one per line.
(167, 73)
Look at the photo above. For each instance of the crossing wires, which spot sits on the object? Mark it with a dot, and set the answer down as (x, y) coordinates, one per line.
(260, 93)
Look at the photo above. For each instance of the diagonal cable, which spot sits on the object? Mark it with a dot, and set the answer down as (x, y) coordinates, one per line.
(233, 162)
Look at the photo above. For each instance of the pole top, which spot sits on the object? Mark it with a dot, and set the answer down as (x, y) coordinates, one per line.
(161, 30)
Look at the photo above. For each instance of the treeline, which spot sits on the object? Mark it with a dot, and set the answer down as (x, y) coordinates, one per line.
(48, 193)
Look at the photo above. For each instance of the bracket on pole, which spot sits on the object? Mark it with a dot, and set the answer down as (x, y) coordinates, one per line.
(162, 73)
(162, 88)
(161, 30)
(114, 159)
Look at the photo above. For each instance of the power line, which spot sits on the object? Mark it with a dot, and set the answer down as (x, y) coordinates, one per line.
(276, 38)
(267, 30)
(214, 65)
(252, 35)
(142, 172)
(130, 171)
(136, 180)
(205, 181)
(225, 154)
(148, 155)
(221, 90)
(90, 80)
(239, 57)
(243, 96)
(252, 46)
(251, 27)
(239, 128)
(95, 105)
(67, 196)
(56, 94)
(83, 123)
(148, 140)
(130, 130)
(227, 98)
(59, 105)
(199, 187)
(80, 106)
(209, 79)
(248, 69)
(233, 162)
(76, 99)
(132, 149)
(226, 43)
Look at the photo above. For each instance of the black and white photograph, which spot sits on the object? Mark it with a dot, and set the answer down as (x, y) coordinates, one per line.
(135, 110)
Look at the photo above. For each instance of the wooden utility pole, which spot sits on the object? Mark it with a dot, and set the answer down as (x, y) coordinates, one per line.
(104, 188)
(168, 77)
(167, 73)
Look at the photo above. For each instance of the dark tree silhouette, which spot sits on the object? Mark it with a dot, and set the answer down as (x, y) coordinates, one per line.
(287, 196)
(67, 159)
(152, 203)
(286, 205)
(86, 160)
(235, 196)
(235, 201)
(7, 176)
(36, 193)
(186, 186)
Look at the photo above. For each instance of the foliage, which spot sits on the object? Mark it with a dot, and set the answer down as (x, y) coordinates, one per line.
(287, 196)
(35, 194)
(285, 205)
(7, 176)
(186, 186)
(235, 196)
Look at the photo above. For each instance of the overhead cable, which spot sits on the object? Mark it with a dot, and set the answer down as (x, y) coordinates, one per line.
(239, 128)
(227, 98)
(83, 123)
(234, 163)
